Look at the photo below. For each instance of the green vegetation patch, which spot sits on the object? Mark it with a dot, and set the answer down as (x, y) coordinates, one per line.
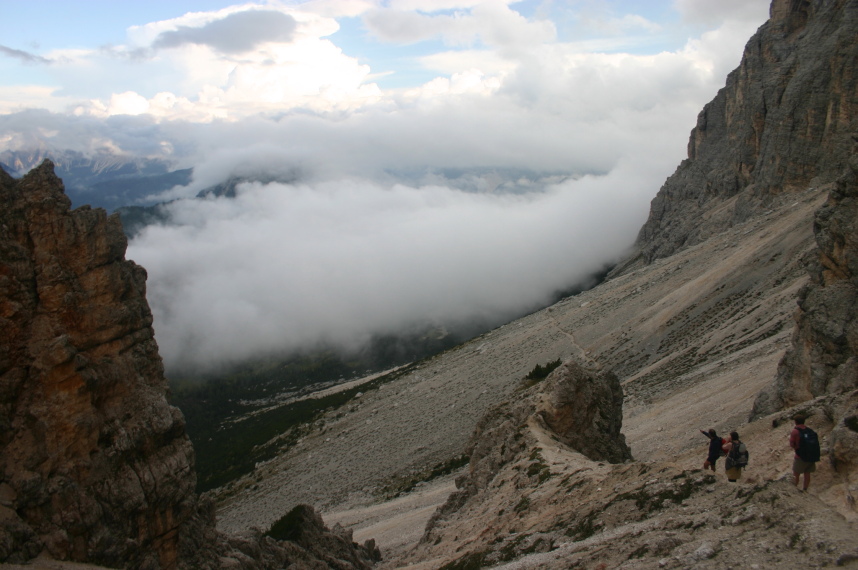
(584, 528)
(538, 468)
(227, 450)
(538, 374)
(648, 502)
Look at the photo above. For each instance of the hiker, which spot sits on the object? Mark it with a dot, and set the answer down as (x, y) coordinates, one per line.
(805, 443)
(714, 449)
(737, 457)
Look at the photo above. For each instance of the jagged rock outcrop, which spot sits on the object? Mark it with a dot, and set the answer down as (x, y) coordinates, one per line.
(584, 408)
(95, 465)
(580, 406)
(823, 357)
(530, 499)
(783, 122)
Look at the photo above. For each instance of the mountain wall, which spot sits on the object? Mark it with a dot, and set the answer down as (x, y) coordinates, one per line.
(95, 465)
(783, 122)
(823, 357)
(94, 461)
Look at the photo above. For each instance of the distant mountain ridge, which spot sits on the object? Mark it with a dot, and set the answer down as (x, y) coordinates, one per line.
(105, 180)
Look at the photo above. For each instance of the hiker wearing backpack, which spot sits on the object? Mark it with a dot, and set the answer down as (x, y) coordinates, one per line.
(714, 449)
(805, 442)
(737, 457)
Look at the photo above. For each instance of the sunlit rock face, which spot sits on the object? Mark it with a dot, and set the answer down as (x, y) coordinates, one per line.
(783, 122)
(94, 463)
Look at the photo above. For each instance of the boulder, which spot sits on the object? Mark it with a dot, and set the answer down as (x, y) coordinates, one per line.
(584, 408)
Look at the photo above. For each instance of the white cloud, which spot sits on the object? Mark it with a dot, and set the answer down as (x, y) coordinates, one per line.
(708, 13)
(16, 98)
(284, 266)
(559, 147)
(128, 103)
(492, 23)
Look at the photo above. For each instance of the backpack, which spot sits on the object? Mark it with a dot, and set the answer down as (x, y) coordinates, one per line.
(808, 445)
(738, 456)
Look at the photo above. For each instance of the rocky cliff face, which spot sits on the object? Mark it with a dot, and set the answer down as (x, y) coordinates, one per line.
(783, 122)
(95, 465)
(820, 369)
(823, 357)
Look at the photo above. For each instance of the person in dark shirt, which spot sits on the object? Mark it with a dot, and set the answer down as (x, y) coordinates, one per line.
(714, 449)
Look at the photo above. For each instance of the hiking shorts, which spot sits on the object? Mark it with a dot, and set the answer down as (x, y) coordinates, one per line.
(799, 466)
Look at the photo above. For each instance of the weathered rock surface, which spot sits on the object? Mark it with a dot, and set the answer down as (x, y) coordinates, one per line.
(823, 358)
(95, 465)
(544, 505)
(584, 408)
(783, 122)
(578, 405)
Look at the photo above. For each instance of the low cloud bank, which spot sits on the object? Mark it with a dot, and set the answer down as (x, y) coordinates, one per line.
(286, 266)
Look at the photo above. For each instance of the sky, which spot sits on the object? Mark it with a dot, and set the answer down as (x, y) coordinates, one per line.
(434, 161)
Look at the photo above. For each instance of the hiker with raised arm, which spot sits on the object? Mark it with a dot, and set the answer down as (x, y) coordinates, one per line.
(805, 442)
(714, 449)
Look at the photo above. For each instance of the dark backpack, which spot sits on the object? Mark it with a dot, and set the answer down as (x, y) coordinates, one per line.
(808, 445)
(738, 456)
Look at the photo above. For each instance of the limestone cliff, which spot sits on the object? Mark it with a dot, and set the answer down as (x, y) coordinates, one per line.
(823, 357)
(783, 122)
(95, 465)
(820, 368)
